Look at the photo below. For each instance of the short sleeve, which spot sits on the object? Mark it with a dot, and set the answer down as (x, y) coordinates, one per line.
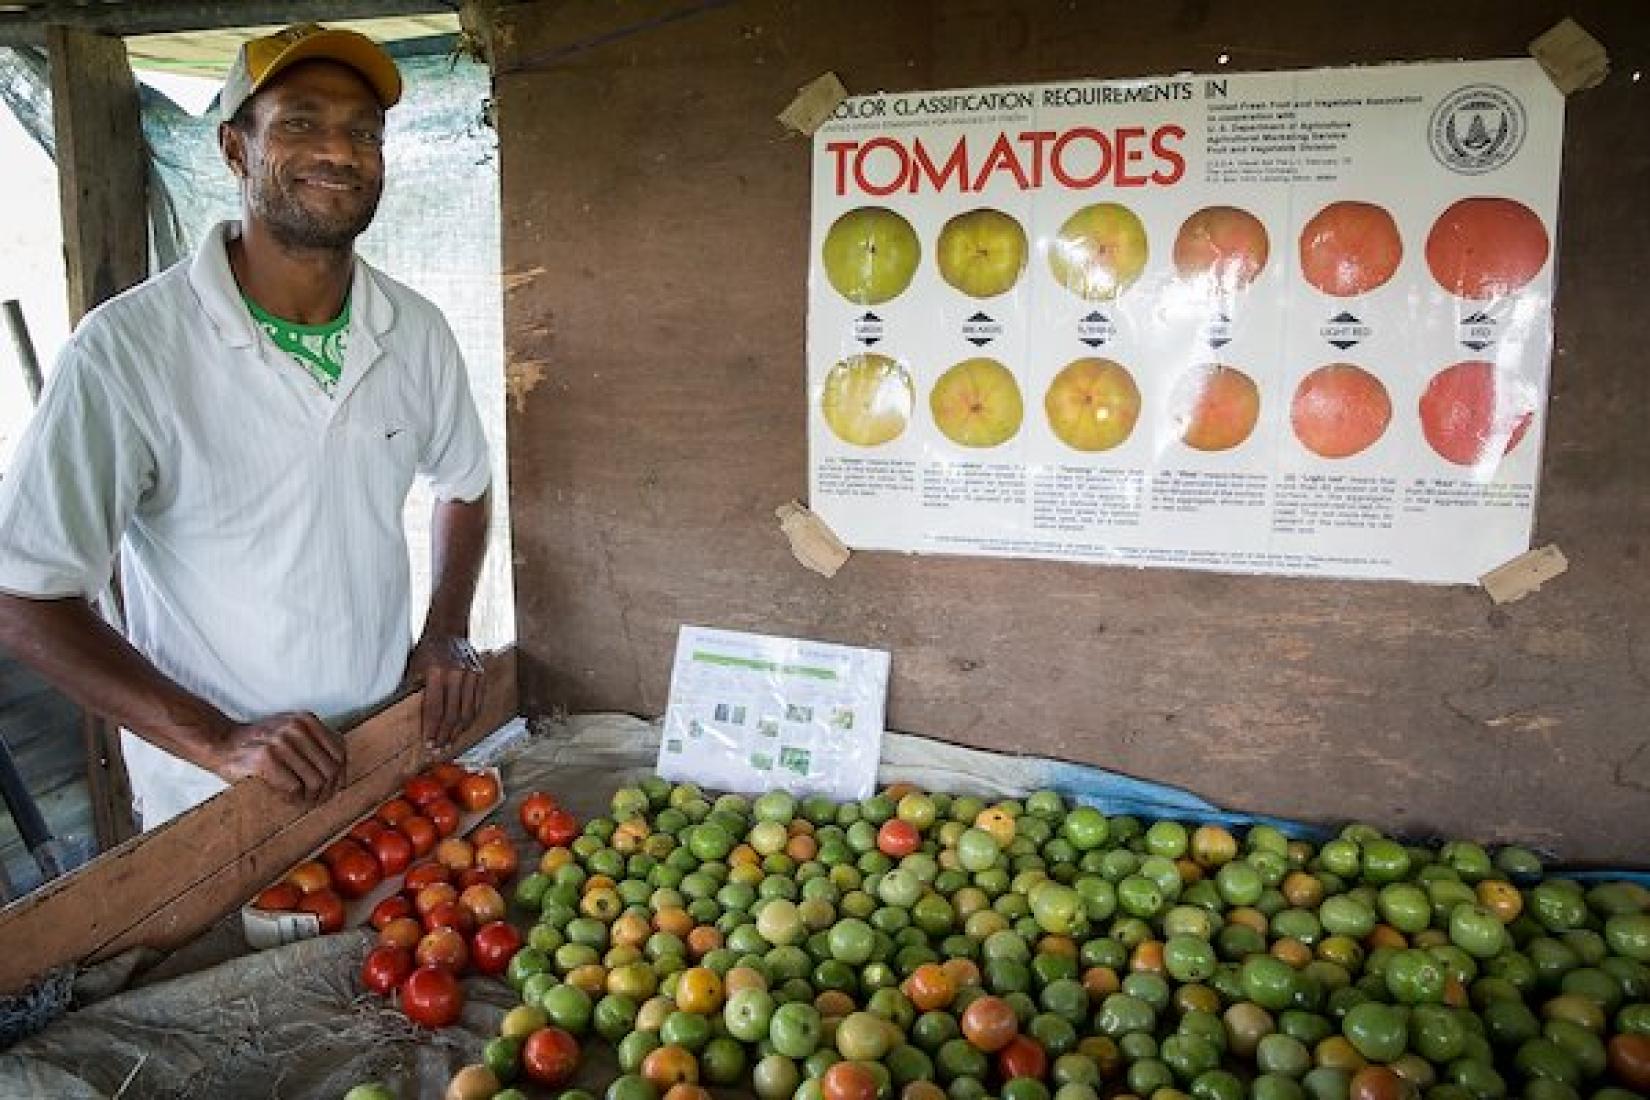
(80, 470)
(455, 457)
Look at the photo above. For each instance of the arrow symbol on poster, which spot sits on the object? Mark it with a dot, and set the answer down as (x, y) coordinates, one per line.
(981, 329)
(868, 329)
(1095, 329)
(1217, 331)
(1477, 331)
(1344, 330)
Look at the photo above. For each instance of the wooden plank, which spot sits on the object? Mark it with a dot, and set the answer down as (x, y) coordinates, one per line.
(30, 27)
(1418, 707)
(162, 888)
(101, 166)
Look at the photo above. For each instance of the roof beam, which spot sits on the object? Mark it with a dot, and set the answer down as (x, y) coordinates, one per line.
(22, 25)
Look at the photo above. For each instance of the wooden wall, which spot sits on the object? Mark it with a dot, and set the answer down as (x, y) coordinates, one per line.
(655, 250)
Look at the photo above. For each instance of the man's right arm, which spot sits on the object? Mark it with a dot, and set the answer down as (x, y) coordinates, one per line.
(74, 650)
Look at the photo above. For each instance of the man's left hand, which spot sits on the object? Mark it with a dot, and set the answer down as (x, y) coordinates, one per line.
(450, 671)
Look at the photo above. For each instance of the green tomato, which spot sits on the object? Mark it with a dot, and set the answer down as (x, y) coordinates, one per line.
(1376, 1031)
(795, 1030)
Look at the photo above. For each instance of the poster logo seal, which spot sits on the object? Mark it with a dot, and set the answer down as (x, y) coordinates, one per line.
(1477, 129)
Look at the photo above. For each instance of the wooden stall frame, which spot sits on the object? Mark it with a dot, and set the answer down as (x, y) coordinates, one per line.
(164, 887)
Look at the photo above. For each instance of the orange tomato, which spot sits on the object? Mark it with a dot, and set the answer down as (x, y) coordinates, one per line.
(962, 972)
(930, 987)
(401, 932)
(489, 833)
(699, 991)
(669, 1066)
(989, 1024)
(310, 876)
(498, 856)
(455, 854)
(280, 897)
(1100, 982)
(703, 940)
(1629, 1060)
(1292, 951)
(1148, 956)
(1501, 898)
(1377, 1083)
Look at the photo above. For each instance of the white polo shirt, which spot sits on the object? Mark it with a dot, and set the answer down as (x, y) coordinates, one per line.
(259, 521)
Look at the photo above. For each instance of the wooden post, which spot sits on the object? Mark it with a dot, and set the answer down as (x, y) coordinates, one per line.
(101, 166)
(103, 181)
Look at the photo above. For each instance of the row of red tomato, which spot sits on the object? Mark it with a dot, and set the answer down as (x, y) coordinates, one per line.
(419, 823)
(450, 918)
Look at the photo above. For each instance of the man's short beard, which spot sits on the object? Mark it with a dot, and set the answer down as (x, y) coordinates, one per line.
(295, 226)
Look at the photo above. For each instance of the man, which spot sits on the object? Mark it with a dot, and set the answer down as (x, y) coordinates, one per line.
(244, 429)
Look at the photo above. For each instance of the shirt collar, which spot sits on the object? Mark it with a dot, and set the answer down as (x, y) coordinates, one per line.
(220, 296)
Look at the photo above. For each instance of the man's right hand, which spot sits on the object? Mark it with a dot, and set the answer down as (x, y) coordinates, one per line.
(294, 753)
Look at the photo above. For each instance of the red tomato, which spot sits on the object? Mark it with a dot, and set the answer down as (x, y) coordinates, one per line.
(428, 873)
(450, 914)
(356, 874)
(394, 851)
(281, 897)
(898, 838)
(367, 830)
(446, 773)
(534, 809)
(1022, 1057)
(550, 1055)
(487, 834)
(443, 814)
(432, 997)
(494, 945)
(421, 790)
(475, 876)
(558, 829)
(477, 791)
(436, 893)
(395, 811)
(848, 1081)
(421, 833)
(339, 849)
(327, 906)
(444, 947)
(396, 905)
(386, 968)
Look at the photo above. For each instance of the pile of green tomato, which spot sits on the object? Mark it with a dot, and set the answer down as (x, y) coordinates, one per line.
(923, 946)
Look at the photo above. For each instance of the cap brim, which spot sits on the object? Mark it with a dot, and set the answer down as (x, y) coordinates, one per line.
(347, 48)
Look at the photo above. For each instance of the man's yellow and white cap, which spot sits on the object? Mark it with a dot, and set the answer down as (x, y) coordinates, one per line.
(260, 60)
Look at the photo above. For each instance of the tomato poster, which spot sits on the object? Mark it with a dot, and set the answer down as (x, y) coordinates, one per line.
(1295, 323)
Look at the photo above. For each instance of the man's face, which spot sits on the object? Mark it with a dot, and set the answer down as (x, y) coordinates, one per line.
(308, 150)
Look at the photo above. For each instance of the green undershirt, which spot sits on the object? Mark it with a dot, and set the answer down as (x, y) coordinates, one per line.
(319, 349)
